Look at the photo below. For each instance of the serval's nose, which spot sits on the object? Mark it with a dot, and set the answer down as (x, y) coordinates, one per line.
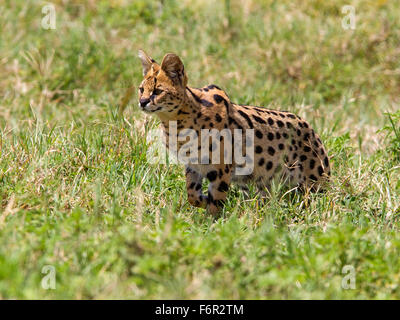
(144, 102)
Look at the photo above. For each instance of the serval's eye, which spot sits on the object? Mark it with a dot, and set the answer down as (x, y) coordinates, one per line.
(157, 91)
(141, 90)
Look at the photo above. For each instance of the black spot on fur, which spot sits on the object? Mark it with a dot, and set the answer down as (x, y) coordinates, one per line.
(312, 164)
(258, 149)
(259, 134)
(303, 157)
(223, 187)
(280, 123)
(218, 117)
(218, 98)
(299, 143)
(231, 120)
(270, 121)
(206, 103)
(201, 101)
(269, 165)
(213, 86)
(192, 185)
(261, 162)
(245, 116)
(259, 120)
(261, 109)
(271, 151)
(281, 146)
(270, 136)
(212, 175)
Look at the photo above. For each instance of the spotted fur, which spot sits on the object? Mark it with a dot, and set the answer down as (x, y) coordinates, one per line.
(286, 148)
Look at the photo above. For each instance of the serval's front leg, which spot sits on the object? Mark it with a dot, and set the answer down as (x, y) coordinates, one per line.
(193, 185)
(220, 178)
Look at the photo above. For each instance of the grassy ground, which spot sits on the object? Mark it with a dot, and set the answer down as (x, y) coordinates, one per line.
(78, 193)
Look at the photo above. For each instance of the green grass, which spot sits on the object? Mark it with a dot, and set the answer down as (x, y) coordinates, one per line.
(78, 193)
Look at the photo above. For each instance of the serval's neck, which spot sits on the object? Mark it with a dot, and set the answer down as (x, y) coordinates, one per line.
(185, 111)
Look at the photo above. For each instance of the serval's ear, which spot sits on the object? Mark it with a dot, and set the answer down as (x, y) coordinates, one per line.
(173, 67)
(146, 61)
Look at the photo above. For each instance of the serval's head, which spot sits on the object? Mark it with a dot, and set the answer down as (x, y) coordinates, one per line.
(163, 87)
